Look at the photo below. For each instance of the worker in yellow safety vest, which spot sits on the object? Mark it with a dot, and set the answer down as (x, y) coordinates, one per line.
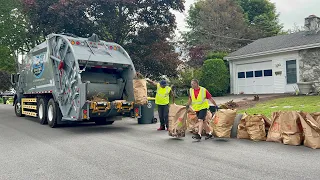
(198, 99)
(162, 101)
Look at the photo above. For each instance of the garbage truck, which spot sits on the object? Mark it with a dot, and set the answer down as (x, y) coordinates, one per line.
(70, 79)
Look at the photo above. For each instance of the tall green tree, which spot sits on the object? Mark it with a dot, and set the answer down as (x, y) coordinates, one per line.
(13, 38)
(152, 54)
(262, 17)
(123, 21)
(215, 25)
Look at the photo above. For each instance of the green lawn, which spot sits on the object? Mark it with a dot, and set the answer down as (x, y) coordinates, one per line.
(298, 103)
(181, 100)
(1, 100)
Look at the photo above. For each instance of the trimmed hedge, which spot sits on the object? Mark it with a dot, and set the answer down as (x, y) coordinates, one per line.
(215, 77)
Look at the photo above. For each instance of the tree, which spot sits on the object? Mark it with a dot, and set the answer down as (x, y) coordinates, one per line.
(152, 54)
(218, 55)
(16, 35)
(127, 22)
(219, 25)
(114, 20)
(262, 17)
(215, 77)
(215, 25)
(295, 29)
(5, 81)
(13, 39)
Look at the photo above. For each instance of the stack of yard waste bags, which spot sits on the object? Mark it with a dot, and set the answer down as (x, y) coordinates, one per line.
(287, 127)
(293, 128)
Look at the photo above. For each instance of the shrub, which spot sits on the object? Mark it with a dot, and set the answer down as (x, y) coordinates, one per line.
(215, 77)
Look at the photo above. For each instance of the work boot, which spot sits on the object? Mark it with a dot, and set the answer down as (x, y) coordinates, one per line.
(161, 128)
(196, 136)
(209, 136)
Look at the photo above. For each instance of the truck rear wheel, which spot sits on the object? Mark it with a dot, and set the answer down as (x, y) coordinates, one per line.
(53, 113)
(17, 108)
(42, 111)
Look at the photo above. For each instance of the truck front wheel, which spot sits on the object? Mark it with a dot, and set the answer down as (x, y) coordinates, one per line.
(53, 113)
(17, 108)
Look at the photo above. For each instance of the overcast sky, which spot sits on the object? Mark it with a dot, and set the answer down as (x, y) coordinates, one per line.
(291, 11)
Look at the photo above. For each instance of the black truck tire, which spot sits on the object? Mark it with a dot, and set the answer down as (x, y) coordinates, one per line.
(42, 110)
(234, 130)
(17, 108)
(53, 113)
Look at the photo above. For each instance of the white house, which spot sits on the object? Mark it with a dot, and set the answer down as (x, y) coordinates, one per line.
(276, 64)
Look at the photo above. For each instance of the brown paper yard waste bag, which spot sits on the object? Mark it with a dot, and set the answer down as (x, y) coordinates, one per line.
(222, 122)
(274, 134)
(140, 91)
(256, 127)
(178, 126)
(253, 127)
(173, 110)
(192, 121)
(286, 128)
(242, 130)
(311, 129)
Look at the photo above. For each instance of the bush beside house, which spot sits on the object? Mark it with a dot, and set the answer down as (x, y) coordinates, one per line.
(215, 77)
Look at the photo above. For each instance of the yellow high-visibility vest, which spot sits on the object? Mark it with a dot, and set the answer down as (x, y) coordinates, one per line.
(162, 96)
(201, 102)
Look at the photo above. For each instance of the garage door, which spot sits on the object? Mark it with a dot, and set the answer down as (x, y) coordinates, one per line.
(255, 78)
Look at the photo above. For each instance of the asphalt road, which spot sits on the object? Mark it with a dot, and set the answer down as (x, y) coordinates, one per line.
(127, 150)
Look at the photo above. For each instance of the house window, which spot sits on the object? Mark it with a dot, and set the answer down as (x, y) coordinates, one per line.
(249, 74)
(267, 72)
(258, 74)
(291, 67)
(241, 75)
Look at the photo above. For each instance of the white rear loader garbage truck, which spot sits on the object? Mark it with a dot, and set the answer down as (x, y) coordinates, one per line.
(69, 78)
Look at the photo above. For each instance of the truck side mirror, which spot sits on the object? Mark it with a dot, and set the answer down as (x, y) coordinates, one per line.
(13, 80)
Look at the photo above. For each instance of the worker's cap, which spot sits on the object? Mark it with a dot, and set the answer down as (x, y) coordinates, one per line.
(163, 83)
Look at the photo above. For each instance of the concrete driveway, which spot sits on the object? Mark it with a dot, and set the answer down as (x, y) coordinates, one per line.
(241, 97)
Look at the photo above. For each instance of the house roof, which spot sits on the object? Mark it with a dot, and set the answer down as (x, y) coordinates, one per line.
(277, 44)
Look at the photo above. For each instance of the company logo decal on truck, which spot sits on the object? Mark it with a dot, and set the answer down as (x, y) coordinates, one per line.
(38, 65)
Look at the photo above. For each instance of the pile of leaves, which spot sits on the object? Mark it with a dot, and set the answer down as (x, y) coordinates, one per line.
(229, 105)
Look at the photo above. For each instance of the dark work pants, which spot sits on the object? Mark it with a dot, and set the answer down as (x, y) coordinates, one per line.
(163, 111)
